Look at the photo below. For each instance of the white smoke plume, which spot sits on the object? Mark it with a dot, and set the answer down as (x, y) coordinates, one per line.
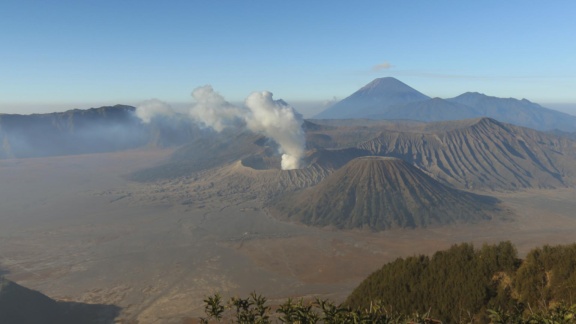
(272, 118)
(277, 120)
(213, 110)
(262, 114)
(151, 108)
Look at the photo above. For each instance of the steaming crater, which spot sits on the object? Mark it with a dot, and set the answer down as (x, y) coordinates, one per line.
(261, 162)
(315, 158)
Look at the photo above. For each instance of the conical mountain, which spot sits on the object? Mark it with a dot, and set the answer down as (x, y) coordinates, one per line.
(383, 193)
(373, 99)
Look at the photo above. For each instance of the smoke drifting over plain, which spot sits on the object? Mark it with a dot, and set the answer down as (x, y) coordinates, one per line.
(261, 114)
(153, 107)
(214, 111)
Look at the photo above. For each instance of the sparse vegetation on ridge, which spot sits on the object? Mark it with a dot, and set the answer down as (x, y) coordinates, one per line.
(462, 283)
(458, 285)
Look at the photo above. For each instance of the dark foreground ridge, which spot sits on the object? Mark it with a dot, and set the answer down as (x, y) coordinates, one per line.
(20, 305)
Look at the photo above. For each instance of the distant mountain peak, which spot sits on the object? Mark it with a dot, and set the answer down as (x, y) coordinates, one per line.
(372, 99)
(383, 82)
(390, 98)
(386, 85)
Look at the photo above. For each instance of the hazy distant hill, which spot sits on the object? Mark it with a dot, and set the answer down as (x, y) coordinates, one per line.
(20, 305)
(373, 99)
(388, 98)
(518, 112)
(382, 193)
(429, 110)
(93, 130)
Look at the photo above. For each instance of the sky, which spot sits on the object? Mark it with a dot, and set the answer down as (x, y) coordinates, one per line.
(58, 55)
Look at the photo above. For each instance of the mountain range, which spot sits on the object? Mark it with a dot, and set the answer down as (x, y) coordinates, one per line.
(217, 202)
(94, 130)
(389, 98)
(433, 159)
(471, 154)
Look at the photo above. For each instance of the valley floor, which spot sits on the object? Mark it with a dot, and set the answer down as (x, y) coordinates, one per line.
(75, 229)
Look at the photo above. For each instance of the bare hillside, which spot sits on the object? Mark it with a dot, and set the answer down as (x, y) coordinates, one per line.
(382, 193)
(484, 154)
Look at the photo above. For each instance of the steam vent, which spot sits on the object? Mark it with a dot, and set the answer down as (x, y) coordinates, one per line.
(262, 162)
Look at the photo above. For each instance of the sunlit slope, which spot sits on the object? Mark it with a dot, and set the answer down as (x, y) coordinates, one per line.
(383, 193)
(483, 154)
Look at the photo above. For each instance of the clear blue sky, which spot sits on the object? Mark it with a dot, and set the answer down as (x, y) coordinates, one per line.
(87, 53)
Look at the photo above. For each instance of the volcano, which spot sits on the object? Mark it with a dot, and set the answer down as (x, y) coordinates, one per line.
(373, 99)
(382, 193)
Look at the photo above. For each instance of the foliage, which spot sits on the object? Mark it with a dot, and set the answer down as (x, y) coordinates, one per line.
(254, 310)
(456, 284)
(459, 285)
(548, 274)
(557, 315)
(246, 310)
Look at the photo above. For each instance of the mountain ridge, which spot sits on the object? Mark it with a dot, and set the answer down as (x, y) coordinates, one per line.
(389, 98)
(94, 130)
(484, 154)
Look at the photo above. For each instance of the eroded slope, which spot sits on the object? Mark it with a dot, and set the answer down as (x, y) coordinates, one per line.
(485, 154)
(383, 193)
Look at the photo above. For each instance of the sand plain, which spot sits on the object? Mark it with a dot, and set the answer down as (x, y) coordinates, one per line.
(76, 229)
